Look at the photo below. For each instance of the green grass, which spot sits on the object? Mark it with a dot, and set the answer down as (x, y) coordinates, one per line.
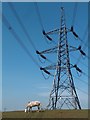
(47, 114)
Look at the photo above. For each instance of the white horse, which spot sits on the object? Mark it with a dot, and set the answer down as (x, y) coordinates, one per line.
(32, 104)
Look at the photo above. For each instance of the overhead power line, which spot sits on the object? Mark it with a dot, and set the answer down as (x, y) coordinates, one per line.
(41, 24)
(81, 80)
(80, 62)
(39, 16)
(24, 29)
(79, 58)
(74, 13)
(22, 25)
(73, 22)
(10, 28)
(82, 91)
(63, 65)
(85, 34)
(63, 62)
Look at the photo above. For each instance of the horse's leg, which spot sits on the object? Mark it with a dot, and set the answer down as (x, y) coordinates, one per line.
(38, 107)
(29, 109)
(26, 109)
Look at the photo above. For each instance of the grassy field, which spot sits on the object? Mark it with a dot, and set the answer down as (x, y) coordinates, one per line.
(47, 114)
(0, 115)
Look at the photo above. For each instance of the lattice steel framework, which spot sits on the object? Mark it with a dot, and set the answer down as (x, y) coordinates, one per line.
(63, 94)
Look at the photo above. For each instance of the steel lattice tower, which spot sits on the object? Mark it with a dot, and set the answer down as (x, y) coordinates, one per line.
(63, 93)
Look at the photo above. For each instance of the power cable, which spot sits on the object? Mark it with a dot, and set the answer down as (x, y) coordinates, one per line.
(74, 13)
(10, 28)
(85, 44)
(22, 25)
(84, 47)
(39, 16)
(85, 34)
(80, 62)
(81, 80)
(42, 27)
(82, 91)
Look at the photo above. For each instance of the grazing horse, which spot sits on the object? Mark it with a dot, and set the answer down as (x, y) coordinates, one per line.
(32, 104)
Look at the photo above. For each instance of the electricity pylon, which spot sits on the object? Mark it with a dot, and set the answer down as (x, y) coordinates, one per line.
(63, 94)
